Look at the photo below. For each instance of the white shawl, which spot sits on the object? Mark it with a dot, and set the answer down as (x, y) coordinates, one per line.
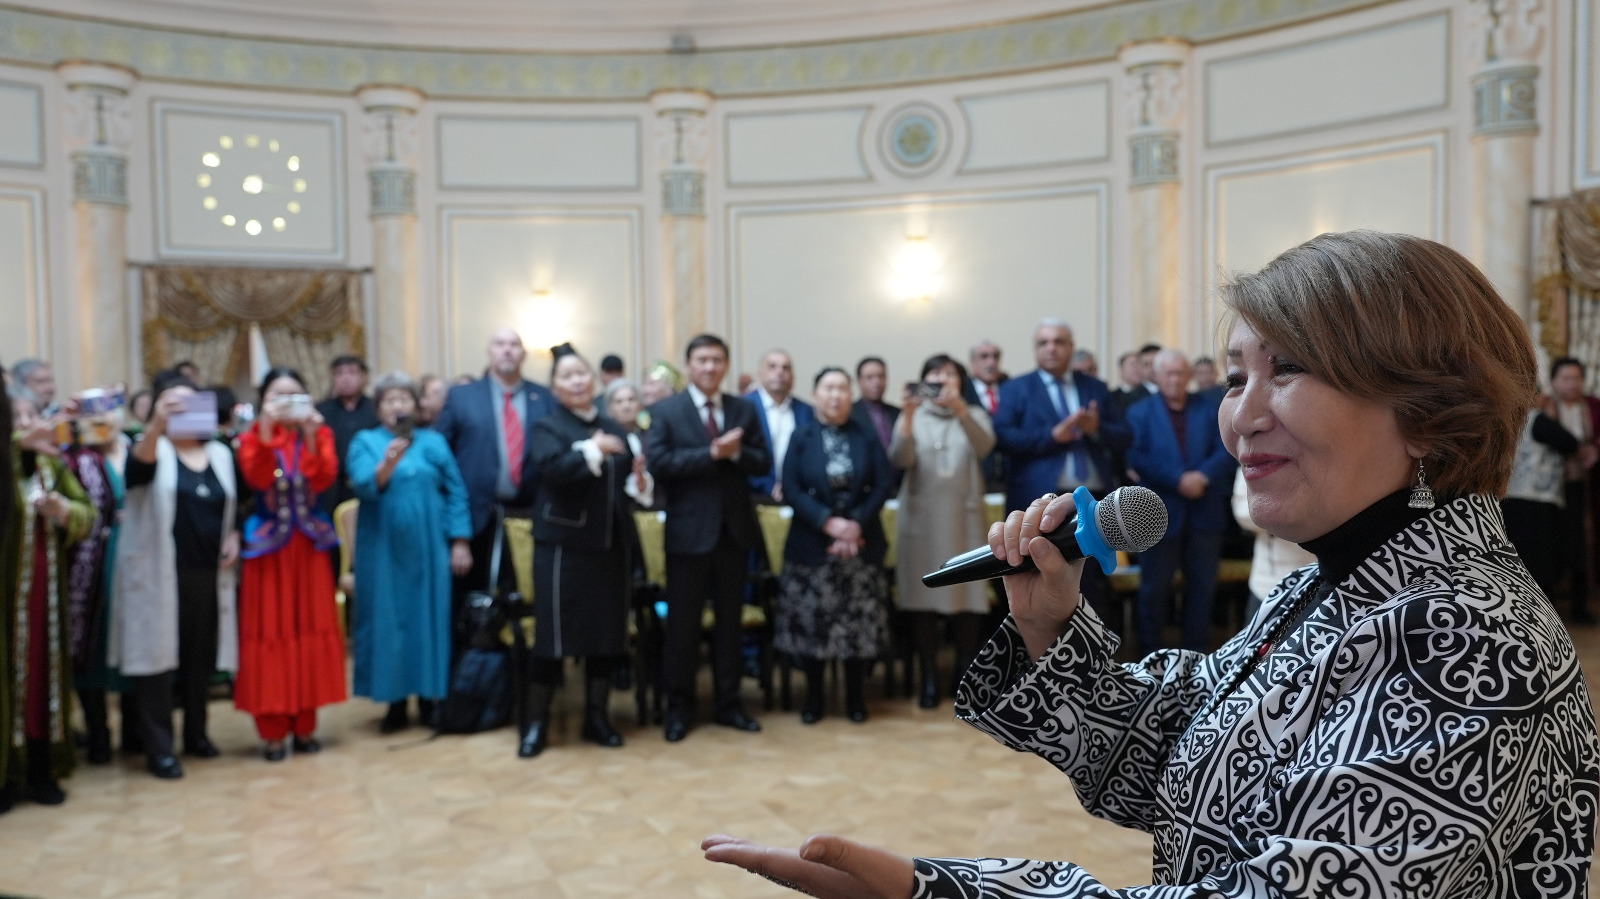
(144, 593)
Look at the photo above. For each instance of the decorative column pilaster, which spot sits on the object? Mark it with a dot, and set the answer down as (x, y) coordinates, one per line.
(1506, 38)
(389, 140)
(683, 152)
(99, 130)
(1154, 94)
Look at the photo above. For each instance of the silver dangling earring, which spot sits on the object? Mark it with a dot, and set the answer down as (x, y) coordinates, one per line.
(1421, 494)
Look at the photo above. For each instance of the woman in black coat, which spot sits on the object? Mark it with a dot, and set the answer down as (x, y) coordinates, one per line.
(582, 534)
(832, 600)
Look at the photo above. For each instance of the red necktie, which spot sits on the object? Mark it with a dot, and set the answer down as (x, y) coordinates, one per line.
(712, 431)
(994, 399)
(513, 429)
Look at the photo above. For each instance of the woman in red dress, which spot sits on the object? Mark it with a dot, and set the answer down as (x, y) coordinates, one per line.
(291, 652)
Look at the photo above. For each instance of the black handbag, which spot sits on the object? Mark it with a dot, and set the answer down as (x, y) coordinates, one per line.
(486, 678)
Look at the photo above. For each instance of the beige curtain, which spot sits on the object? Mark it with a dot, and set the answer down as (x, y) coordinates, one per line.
(307, 318)
(1566, 279)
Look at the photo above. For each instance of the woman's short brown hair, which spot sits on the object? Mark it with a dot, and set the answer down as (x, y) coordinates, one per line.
(1413, 325)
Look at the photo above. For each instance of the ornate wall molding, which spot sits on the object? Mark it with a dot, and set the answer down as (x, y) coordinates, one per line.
(1155, 158)
(35, 38)
(100, 178)
(1504, 101)
(394, 191)
(683, 193)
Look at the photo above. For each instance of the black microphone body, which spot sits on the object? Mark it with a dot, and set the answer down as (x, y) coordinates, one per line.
(1129, 519)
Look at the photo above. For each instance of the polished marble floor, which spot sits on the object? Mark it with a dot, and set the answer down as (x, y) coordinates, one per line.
(401, 816)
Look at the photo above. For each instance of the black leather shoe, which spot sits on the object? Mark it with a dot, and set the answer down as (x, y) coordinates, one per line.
(858, 714)
(165, 767)
(930, 695)
(738, 720)
(396, 720)
(810, 715)
(307, 746)
(533, 740)
(201, 748)
(46, 792)
(275, 753)
(596, 729)
(676, 729)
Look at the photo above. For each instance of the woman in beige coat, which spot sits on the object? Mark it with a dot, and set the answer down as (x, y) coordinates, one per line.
(940, 440)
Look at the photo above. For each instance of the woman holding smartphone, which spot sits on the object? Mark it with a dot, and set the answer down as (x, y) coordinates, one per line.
(940, 441)
(411, 536)
(174, 581)
(291, 653)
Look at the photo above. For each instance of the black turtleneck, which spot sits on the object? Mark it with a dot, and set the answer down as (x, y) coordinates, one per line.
(1342, 549)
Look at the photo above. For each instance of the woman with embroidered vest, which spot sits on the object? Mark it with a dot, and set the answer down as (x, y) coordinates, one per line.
(291, 652)
(940, 441)
(1406, 717)
(412, 533)
(583, 537)
(833, 596)
(175, 579)
(51, 513)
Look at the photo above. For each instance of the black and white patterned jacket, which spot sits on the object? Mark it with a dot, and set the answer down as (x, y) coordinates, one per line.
(1426, 731)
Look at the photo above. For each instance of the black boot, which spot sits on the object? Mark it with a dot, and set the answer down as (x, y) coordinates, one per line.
(397, 719)
(41, 786)
(535, 720)
(132, 741)
(926, 631)
(855, 702)
(596, 716)
(94, 716)
(425, 712)
(811, 711)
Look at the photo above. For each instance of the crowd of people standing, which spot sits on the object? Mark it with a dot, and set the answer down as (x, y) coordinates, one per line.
(143, 560)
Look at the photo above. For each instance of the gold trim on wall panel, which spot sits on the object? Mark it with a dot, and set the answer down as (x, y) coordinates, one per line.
(39, 277)
(1298, 46)
(1436, 142)
(966, 155)
(866, 111)
(638, 153)
(38, 126)
(1099, 188)
(1586, 97)
(448, 215)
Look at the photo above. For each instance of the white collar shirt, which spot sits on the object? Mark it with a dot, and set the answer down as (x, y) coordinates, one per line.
(780, 425)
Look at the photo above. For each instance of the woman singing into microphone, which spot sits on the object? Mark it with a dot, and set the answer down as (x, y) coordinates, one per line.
(1406, 717)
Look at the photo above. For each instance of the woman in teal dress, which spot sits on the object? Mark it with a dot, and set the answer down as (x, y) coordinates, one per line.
(411, 534)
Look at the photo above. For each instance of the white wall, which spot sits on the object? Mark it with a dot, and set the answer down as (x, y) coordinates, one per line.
(1355, 120)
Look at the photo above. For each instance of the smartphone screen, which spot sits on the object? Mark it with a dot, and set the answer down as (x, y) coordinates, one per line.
(198, 420)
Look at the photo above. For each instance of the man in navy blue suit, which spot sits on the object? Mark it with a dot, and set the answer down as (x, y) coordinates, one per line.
(781, 414)
(1178, 453)
(1058, 430)
(489, 425)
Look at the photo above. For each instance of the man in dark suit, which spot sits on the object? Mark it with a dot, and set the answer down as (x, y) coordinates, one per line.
(877, 416)
(1178, 452)
(1058, 430)
(983, 363)
(781, 414)
(489, 425)
(704, 446)
(348, 411)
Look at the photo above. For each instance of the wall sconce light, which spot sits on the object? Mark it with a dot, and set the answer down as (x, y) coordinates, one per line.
(545, 321)
(916, 270)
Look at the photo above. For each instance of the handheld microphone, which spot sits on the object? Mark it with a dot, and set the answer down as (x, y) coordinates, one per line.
(1129, 519)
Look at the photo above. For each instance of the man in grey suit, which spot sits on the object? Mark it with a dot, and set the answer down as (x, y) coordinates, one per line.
(703, 447)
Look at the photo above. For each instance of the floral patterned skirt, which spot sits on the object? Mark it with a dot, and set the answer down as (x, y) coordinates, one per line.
(837, 610)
